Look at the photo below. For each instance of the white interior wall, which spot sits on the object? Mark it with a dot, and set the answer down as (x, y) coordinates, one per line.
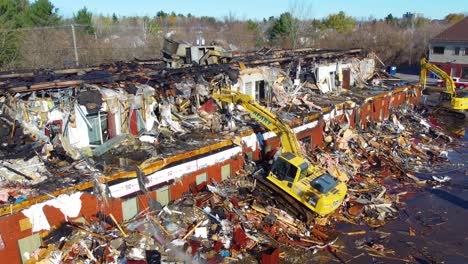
(79, 135)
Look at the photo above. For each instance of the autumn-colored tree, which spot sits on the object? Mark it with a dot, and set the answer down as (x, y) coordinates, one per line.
(172, 20)
(454, 18)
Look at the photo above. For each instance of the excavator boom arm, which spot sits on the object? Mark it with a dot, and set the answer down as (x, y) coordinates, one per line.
(265, 117)
(301, 183)
(426, 66)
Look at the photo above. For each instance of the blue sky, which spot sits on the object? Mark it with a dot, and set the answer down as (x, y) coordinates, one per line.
(258, 9)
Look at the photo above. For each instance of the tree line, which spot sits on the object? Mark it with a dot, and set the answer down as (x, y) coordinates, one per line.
(34, 35)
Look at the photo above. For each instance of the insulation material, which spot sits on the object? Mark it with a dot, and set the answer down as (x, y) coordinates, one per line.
(185, 87)
(209, 107)
(280, 95)
(112, 99)
(33, 168)
(69, 205)
(78, 134)
(166, 118)
(202, 90)
(250, 141)
(361, 71)
(151, 118)
(56, 115)
(4, 196)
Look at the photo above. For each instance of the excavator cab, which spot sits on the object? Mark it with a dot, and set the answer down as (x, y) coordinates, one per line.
(318, 191)
(286, 171)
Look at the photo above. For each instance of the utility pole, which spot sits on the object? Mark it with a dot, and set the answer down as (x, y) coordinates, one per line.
(74, 45)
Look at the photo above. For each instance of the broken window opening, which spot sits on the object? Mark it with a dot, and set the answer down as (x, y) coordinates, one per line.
(453, 72)
(438, 50)
(332, 80)
(260, 91)
(464, 74)
(307, 143)
(456, 51)
(188, 55)
(98, 131)
(283, 170)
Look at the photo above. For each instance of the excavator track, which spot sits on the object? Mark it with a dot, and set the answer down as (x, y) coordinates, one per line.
(283, 200)
(455, 113)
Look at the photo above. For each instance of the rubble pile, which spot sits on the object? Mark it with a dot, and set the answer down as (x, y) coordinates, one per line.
(97, 130)
(236, 221)
(215, 223)
(380, 163)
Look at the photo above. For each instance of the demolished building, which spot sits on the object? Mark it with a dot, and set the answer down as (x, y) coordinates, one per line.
(124, 138)
(179, 54)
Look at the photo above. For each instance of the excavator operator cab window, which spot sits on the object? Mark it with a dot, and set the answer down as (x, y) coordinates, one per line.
(284, 170)
(445, 96)
(303, 167)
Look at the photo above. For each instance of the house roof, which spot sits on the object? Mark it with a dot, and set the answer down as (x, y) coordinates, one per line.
(456, 33)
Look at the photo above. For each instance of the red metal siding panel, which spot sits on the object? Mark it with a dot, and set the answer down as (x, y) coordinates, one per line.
(134, 123)
(111, 126)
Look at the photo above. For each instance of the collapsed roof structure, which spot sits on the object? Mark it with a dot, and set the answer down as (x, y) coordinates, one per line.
(123, 129)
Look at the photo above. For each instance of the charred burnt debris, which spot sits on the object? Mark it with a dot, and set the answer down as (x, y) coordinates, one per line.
(66, 128)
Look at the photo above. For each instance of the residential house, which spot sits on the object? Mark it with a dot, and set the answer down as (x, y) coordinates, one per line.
(449, 50)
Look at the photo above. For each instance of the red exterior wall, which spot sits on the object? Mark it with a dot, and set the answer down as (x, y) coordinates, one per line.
(446, 67)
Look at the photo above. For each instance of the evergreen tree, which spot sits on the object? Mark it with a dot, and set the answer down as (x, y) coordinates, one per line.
(42, 13)
(283, 26)
(390, 19)
(115, 19)
(84, 17)
(12, 14)
(162, 14)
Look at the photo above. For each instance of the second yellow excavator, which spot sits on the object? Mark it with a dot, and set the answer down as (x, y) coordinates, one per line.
(451, 99)
(305, 183)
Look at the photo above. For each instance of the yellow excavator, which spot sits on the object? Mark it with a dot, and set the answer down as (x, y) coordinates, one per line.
(307, 184)
(451, 99)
